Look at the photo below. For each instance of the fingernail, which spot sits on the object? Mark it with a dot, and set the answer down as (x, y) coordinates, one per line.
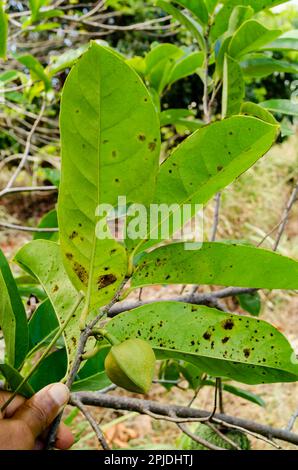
(59, 393)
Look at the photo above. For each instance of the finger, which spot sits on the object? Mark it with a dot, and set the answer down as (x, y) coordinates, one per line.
(64, 439)
(14, 435)
(13, 406)
(39, 412)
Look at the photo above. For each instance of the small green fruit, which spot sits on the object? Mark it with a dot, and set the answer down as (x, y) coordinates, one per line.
(130, 365)
(238, 437)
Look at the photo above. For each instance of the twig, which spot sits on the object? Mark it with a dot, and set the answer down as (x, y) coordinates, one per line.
(27, 189)
(292, 421)
(285, 217)
(223, 436)
(23, 228)
(216, 217)
(27, 147)
(283, 222)
(92, 422)
(250, 433)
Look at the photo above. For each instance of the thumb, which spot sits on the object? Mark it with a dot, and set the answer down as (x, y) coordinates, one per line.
(39, 412)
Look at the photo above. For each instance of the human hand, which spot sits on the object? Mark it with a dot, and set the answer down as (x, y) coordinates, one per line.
(24, 423)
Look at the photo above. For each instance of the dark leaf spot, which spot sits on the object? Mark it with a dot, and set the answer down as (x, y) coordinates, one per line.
(228, 324)
(246, 352)
(225, 339)
(81, 272)
(73, 235)
(207, 335)
(152, 146)
(106, 280)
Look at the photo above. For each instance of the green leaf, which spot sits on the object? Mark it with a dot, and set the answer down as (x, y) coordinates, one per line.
(211, 4)
(36, 69)
(48, 14)
(190, 125)
(93, 383)
(159, 63)
(240, 14)
(15, 96)
(245, 349)
(92, 375)
(216, 264)
(287, 42)
(9, 76)
(253, 109)
(186, 66)
(42, 259)
(181, 119)
(250, 37)
(110, 148)
(211, 159)
(35, 6)
(52, 369)
(45, 27)
(251, 303)
(222, 18)
(285, 129)
(13, 319)
(3, 31)
(259, 66)
(171, 116)
(49, 220)
(233, 87)
(51, 174)
(169, 372)
(191, 25)
(42, 324)
(199, 9)
(14, 378)
(220, 57)
(65, 60)
(281, 107)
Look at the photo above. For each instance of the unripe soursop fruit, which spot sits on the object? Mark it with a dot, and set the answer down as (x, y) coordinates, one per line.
(130, 365)
(240, 439)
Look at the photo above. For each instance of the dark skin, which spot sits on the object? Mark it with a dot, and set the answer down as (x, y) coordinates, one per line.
(24, 423)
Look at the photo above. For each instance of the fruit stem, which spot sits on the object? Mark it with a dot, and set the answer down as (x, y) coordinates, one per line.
(105, 334)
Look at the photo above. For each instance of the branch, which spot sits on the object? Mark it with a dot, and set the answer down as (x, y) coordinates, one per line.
(210, 298)
(189, 414)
